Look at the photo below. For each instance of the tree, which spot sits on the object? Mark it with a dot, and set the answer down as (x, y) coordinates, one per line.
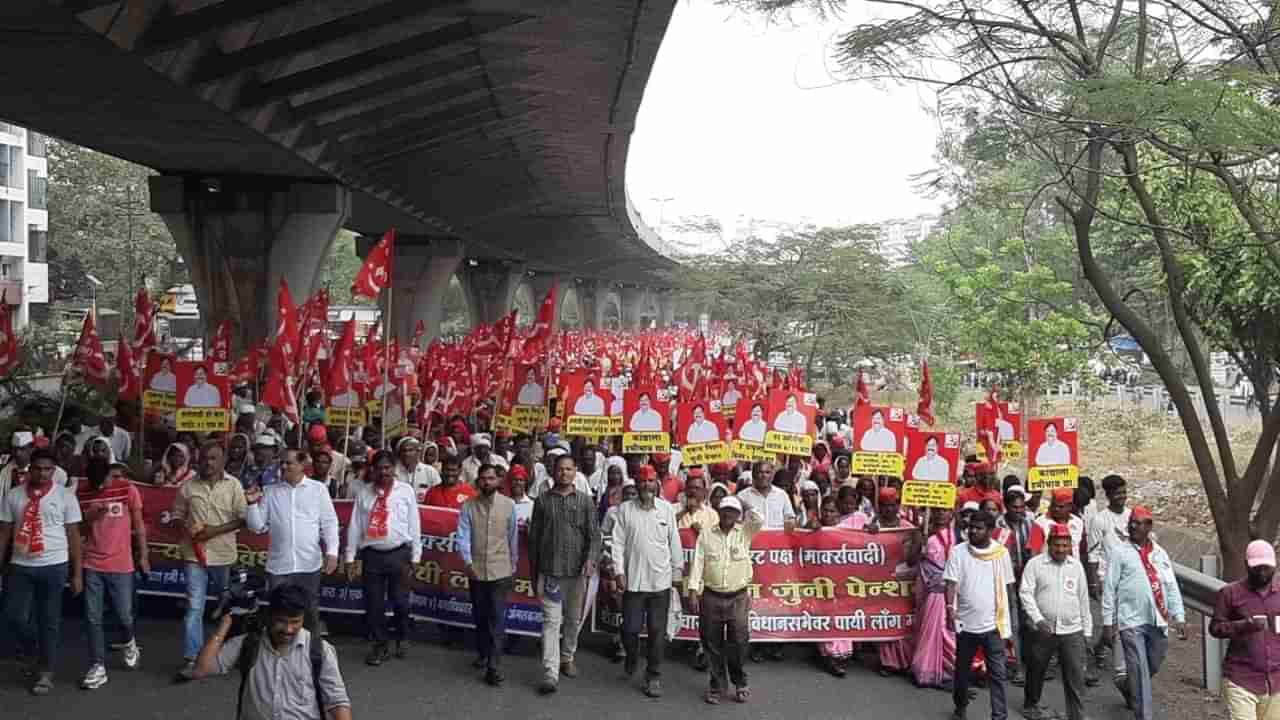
(1109, 99)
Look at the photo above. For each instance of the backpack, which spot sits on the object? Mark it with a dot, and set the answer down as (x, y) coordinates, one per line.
(249, 657)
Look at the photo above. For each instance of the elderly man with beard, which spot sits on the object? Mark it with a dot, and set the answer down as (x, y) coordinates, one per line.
(487, 543)
(646, 550)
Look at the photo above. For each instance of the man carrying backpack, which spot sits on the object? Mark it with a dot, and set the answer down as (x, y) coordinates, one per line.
(284, 649)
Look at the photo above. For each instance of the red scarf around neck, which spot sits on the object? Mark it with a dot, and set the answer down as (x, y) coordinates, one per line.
(30, 533)
(378, 515)
(1153, 577)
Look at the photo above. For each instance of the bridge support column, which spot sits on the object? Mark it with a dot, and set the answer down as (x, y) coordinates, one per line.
(632, 306)
(422, 269)
(491, 289)
(666, 308)
(239, 236)
(540, 284)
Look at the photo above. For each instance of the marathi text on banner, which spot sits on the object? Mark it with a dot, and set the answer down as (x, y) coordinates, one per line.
(1048, 477)
(929, 493)
(828, 584)
(529, 418)
(788, 443)
(503, 422)
(1011, 450)
(341, 416)
(593, 425)
(203, 420)
(704, 454)
(646, 442)
(154, 401)
(750, 452)
(878, 463)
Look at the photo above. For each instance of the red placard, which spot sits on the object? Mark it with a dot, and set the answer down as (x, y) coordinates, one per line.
(879, 428)
(199, 387)
(1005, 418)
(932, 456)
(750, 421)
(791, 412)
(1053, 441)
(700, 422)
(644, 410)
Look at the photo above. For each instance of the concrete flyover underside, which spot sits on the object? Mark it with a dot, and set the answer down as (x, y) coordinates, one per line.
(503, 124)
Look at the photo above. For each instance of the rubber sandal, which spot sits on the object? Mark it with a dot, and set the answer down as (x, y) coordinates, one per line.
(742, 695)
(712, 697)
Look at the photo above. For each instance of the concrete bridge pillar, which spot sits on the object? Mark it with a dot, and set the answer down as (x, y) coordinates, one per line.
(540, 285)
(422, 269)
(633, 303)
(666, 308)
(240, 235)
(491, 289)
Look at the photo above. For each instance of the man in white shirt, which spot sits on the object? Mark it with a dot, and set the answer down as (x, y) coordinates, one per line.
(701, 430)
(164, 380)
(303, 527)
(589, 403)
(200, 393)
(45, 538)
(879, 438)
(386, 531)
(119, 439)
(1108, 529)
(1055, 597)
(481, 454)
(647, 554)
(931, 465)
(753, 430)
(770, 500)
(731, 395)
(645, 419)
(977, 576)
(791, 420)
(531, 393)
(411, 471)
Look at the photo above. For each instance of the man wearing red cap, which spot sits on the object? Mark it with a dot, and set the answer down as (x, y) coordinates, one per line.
(318, 442)
(1246, 613)
(1055, 598)
(1059, 512)
(1140, 597)
(983, 487)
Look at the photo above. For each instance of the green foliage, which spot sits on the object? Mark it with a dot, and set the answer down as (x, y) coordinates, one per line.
(339, 271)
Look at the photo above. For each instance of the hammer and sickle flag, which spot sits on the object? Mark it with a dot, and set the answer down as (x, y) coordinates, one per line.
(375, 274)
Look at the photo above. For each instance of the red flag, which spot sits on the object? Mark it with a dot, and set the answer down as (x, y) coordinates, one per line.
(861, 395)
(10, 354)
(130, 380)
(339, 380)
(221, 350)
(246, 370)
(279, 394)
(88, 357)
(418, 331)
(536, 343)
(924, 408)
(987, 433)
(287, 341)
(375, 274)
(144, 330)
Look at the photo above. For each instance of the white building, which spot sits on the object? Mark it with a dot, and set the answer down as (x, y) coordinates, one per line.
(24, 220)
(898, 235)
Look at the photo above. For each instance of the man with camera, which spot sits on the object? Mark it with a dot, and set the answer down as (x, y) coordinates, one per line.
(210, 509)
(284, 672)
(299, 514)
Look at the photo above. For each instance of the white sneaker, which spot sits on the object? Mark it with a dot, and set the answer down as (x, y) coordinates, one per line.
(132, 655)
(95, 678)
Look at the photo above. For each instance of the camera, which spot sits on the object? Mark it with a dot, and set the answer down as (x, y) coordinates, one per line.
(240, 598)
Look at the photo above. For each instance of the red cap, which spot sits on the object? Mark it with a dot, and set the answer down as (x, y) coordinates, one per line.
(888, 495)
(518, 471)
(662, 457)
(1141, 512)
(1063, 495)
(647, 472)
(553, 424)
(695, 472)
(837, 442)
(504, 434)
(318, 433)
(41, 442)
(1060, 530)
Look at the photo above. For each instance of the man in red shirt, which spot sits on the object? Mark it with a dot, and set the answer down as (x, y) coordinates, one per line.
(983, 487)
(1059, 513)
(112, 510)
(670, 485)
(451, 492)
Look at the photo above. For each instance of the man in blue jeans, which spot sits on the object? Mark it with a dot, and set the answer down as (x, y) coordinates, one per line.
(977, 577)
(112, 509)
(1140, 596)
(211, 509)
(40, 519)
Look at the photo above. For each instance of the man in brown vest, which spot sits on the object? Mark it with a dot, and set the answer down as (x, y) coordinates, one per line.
(487, 542)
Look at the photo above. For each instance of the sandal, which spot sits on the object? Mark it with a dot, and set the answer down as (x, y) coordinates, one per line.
(742, 695)
(44, 684)
(712, 697)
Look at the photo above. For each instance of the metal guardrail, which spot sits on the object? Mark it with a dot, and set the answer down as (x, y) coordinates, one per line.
(1199, 593)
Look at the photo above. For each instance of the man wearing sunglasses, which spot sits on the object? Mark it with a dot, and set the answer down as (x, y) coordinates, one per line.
(304, 530)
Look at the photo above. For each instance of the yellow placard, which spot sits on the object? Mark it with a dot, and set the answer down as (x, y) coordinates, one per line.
(204, 420)
(788, 443)
(529, 418)
(399, 429)
(156, 401)
(1049, 477)
(704, 453)
(374, 407)
(879, 463)
(591, 425)
(646, 442)
(1011, 450)
(503, 422)
(335, 416)
(929, 493)
(750, 452)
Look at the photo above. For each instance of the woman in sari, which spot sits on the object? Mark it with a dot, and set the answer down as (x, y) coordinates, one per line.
(933, 661)
(175, 468)
(834, 654)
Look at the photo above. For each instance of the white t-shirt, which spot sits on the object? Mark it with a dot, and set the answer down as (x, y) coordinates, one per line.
(776, 508)
(1057, 453)
(646, 421)
(58, 509)
(975, 588)
(879, 440)
(1106, 529)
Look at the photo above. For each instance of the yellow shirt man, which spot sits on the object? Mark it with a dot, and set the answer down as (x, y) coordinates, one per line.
(722, 561)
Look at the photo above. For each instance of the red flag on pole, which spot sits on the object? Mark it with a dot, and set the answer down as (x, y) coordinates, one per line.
(279, 393)
(418, 331)
(861, 395)
(144, 329)
(339, 380)
(988, 437)
(220, 352)
(287, 339)
(130, 382)
(924, 408)
(375, 274)
(10, 355)
(537, 340)
(88, 357)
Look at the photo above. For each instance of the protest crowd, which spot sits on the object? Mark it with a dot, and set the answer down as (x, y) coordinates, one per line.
(642, 485)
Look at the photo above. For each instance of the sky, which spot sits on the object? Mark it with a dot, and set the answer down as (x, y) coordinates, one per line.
(743, 117)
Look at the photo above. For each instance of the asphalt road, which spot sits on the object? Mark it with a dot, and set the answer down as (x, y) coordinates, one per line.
(438, 682)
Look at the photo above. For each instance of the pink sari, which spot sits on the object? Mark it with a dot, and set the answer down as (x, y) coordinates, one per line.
(934, 658)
